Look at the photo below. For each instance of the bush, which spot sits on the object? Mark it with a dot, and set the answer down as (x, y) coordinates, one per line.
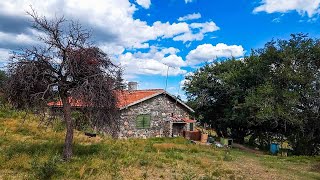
(46, 169)
(227, 156)
(7, 111)
(81, 122)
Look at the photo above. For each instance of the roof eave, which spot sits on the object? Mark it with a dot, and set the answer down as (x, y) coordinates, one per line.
(154, 95)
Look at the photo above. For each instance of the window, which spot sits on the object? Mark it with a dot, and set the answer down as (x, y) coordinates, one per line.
(143, 121)
(191, 126)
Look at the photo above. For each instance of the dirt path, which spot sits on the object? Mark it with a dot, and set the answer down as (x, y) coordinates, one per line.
(244, 148)
(251, 168)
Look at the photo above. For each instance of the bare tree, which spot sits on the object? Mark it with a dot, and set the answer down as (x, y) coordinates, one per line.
(66, 67)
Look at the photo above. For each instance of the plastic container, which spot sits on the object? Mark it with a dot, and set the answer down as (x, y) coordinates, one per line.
(224, 141)
(274, 148)
(211, 140)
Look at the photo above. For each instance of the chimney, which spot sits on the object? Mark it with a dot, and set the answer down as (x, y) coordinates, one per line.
(132, 86)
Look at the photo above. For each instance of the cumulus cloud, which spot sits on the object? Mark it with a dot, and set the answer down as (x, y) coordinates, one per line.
(309, 7)
(190, 17)
(115, 31)
(4, 55)
(111, 21)
(202, 28)
(138, 63)
(208, 53)
(173, 61)
(13, 40)
(144, 3)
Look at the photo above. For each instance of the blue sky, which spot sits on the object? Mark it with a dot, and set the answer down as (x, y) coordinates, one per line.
(146, 36)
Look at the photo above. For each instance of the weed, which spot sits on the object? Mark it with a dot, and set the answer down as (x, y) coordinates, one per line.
(105, 158)
(171, 154)
(145, 175)
(23, 131)
(227, 156)
(189, 175)
(58, 125)
(82, 171)
(45, 170)
(7, 111)
(143, 162)
(33, 149)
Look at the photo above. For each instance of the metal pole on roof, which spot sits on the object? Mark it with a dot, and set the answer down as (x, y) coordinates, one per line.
(165, 89)
(179, 87)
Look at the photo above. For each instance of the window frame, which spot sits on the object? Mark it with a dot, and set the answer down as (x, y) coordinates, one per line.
(144, 125)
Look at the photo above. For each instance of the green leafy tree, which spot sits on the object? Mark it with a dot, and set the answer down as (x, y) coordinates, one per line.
(272, 94)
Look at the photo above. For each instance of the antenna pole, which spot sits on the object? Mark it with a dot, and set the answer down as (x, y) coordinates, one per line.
(167, 79)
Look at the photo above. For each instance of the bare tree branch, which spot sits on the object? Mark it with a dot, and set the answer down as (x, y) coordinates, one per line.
(66, 67)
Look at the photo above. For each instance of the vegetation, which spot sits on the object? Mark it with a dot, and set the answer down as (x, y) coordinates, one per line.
(31, 152)
(66, 67)
(274, 94)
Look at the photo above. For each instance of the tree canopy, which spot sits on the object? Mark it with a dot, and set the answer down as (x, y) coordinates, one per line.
(273, 93)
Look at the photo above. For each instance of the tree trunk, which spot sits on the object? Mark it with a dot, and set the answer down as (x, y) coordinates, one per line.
(67, 149)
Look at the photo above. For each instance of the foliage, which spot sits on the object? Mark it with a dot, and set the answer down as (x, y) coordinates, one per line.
(274, 94)
(3, 80)
(46, 169)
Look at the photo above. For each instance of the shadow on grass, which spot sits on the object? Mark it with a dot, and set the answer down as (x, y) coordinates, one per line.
(53, 148)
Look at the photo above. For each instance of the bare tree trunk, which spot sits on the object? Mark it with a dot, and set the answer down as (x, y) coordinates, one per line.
(67, 149)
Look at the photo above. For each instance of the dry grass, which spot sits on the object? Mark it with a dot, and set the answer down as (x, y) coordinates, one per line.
(155, 158)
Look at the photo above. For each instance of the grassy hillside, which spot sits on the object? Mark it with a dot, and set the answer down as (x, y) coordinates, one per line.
(29, 152)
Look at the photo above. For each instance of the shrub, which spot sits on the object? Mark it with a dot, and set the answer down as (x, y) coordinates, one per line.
(7, 111)
(81, 121)
(171, 154)
(46, 169)
(143, 162)
(227, 156)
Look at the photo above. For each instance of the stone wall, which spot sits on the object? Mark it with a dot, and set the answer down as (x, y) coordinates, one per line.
(160, 108)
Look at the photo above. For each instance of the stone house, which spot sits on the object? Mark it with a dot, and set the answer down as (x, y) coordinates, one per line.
(150, 113)
(153, 113)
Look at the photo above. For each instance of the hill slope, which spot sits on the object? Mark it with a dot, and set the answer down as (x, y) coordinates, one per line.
(30, 152)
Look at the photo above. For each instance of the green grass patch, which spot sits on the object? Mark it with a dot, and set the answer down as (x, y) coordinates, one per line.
(29, 152)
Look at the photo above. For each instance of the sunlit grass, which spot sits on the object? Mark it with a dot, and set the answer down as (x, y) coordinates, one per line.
(29, 152)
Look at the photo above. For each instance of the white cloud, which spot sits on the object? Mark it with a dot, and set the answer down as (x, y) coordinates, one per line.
(173, 61)
(202, 29)
(17, 39)
(309, 7)
(112, 49)
(153, 62)
(208, 53)
(137, 66)
(144, 3)
(276, 20)
(190, 17)
(4, 55)
(118, 33)
(112, 19)
(188, 1)
(185, 81)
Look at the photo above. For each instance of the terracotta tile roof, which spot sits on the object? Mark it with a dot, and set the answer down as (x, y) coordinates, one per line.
(187, 120)
(182, 120)
(73, 102)
(125, 98)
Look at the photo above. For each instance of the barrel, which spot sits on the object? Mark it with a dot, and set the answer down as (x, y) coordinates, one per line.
(274, 148)
(204, 138)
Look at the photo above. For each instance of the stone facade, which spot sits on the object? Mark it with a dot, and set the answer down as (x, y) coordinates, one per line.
(161, 108)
